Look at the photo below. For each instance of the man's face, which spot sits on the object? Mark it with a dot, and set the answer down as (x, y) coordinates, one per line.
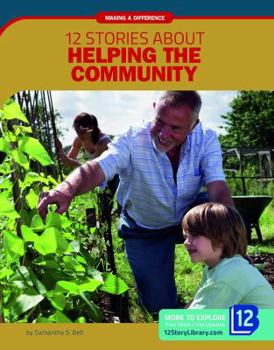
(171, 126)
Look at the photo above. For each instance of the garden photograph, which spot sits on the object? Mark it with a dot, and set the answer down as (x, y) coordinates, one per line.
(94, 189)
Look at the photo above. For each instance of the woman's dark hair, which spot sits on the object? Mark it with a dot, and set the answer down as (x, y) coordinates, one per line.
(83, 122)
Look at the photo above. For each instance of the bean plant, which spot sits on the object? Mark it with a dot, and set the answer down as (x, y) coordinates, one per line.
(48, 269)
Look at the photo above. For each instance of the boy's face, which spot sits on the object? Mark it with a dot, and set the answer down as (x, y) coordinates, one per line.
(200, 249)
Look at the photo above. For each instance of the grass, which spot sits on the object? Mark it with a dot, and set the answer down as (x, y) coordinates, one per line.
(187, 275)
(266, 224)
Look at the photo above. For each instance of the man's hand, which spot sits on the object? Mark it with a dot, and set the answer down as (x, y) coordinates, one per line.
(83, 179)
(61, 199)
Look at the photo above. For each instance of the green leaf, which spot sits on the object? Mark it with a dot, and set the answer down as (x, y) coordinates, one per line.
(113, 284)
(51, 241)
(7, 209)
(54, 219)
(93, 309)
(21, 278)
(77, 288)
(97, 275)
(13, 111)
(60, 317)
(76, 247)
(11, 137)
(52, 180)
(5, 168)
(32, 177)
(49, 263)
(25, 302)
(19, 158)
(70, 237)
(38, 284)
(5, 183)
(41, 319)
(89, 259)
(80, 259)
(57, 300)
(5, 272)
(20, 129)
(5, 145)
(13, 244)
(28, 234)
(90, 286)
(37, 223)
(32, 199)
(35, 150)
(51, 277)
(80, 319)
(70, 287)
(72, 264)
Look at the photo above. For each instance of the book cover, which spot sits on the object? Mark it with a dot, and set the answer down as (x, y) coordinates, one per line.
(111, 58)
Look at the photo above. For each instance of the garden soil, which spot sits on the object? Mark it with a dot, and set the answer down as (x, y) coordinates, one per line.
(265, 263)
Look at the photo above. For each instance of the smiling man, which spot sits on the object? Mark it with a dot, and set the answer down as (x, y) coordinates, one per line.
(162, 167)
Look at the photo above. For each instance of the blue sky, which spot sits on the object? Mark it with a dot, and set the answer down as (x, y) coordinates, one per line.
(117, 110)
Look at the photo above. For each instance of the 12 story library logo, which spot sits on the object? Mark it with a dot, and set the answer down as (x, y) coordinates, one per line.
(243, 319)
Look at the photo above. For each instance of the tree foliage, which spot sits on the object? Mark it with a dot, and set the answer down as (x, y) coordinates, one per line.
(250, 123)
(42, 127)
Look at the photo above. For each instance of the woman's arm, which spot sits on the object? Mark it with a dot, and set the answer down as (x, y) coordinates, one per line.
(70, 158)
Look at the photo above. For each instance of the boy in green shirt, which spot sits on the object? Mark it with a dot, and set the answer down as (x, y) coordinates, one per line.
(215, 235)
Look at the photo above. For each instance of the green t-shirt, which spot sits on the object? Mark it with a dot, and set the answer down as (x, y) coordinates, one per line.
(233, 281)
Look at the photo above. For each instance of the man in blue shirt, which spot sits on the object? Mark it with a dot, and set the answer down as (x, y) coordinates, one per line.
(162, 166)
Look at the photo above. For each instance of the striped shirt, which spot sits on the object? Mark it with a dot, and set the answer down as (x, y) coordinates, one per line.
(147, 190)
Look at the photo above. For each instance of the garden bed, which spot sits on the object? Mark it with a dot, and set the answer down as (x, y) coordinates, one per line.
(265, 263)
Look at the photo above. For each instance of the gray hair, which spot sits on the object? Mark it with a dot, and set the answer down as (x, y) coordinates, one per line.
(177, 99)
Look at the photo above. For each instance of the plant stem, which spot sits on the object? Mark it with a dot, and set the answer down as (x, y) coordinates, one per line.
(2, 320)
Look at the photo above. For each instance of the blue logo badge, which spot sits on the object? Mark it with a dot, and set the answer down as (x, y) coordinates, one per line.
(243, 319)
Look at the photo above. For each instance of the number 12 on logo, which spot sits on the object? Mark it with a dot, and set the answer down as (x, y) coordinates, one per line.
(243, 319)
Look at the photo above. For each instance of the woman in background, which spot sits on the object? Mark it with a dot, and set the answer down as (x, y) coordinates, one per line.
(93, 142)
(89, 138)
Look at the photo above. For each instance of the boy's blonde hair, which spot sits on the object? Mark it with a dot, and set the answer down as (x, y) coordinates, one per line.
(220, 224)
